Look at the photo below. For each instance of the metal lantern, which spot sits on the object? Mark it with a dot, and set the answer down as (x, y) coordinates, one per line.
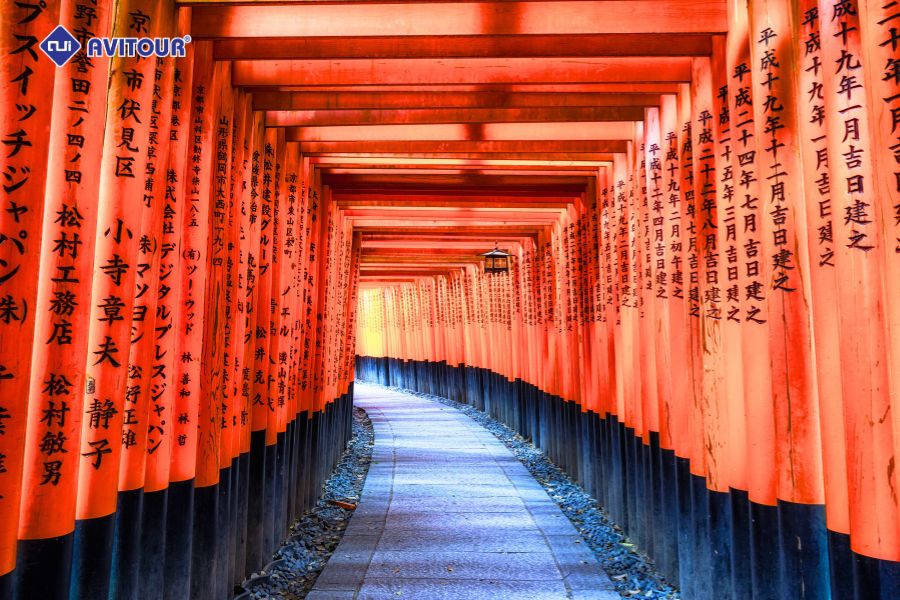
(496, 261)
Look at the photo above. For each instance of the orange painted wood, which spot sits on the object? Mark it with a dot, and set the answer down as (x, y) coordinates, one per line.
(757, 460)
(213, 443)
(674, 382)
(235, 414)
(713, 407)
(63, 288)
(655, 273)
(197, 176)
(731, 405)
(252, 274)
(820, 219)
(576, 45)
(144, 381)
(319, 217)
(494, 89)
(261, 402)
(453, 19)
(457, 71)
(362, 100)
(599, 158)
(692, 450)
(880, 62)
(323, 118)
(533, 147)
(632, 289)
(794, 387)
(275, 400)
(122, 174)
(288, 329)
(859, 259)
(572, 131)
(161, 437)
(732, 140)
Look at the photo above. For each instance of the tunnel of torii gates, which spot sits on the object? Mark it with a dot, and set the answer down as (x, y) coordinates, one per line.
(701, 322)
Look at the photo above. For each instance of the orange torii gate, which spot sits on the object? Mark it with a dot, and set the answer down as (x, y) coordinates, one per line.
(719, 234)
(700, 323)
(122, 453)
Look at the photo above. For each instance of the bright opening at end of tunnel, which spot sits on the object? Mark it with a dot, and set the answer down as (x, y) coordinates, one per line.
(215, 228)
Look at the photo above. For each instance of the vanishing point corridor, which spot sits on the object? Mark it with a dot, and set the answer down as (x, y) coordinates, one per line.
(654, 242)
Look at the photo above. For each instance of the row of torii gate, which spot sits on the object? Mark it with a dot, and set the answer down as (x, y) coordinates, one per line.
(700, 322)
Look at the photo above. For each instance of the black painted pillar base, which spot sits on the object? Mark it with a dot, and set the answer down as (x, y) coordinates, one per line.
(153, 545)
(179, 538)
(803, 575)
(281, 487)
(241, 508)
(741, 576)
(92, 558)
(6, 585)
(43, 569)
(204, 575)
(127, 543)
(765, 567)
(255, 502)
(222, 532)
(269, 504)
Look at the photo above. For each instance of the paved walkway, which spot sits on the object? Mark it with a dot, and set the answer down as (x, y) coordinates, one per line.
(447, 512)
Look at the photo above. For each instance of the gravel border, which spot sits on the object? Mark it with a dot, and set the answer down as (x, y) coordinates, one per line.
(633, 573)
(316, 534)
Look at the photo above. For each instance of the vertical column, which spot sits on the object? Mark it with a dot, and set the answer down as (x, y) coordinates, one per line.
(49, 479)
(164, 386)
(239, 399)
(654, 155)
(143, 375)
(879, 22)
(606, 256)
(171, 468)
(253, 433)
(675, 314)
(191, 305)
(820, 216)
(859, 259)
(288, 332)
(26, 91)
(211, 487)
(275, 399)
(262, 360)
(784, 245)
(752, 533)
(229, 444)
(676, 377)
(122, 179)
(708, 465)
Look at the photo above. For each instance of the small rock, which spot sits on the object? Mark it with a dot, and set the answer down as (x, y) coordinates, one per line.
(316, 534)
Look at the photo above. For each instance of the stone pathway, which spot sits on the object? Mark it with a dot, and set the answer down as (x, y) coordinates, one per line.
(447, 512)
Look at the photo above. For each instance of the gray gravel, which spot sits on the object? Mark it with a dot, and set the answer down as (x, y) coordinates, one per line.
(316, 534)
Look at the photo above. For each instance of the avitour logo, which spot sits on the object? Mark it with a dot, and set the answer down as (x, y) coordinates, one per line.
(60, 46)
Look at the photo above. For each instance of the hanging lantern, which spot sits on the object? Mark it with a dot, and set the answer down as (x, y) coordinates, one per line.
(496, 261)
